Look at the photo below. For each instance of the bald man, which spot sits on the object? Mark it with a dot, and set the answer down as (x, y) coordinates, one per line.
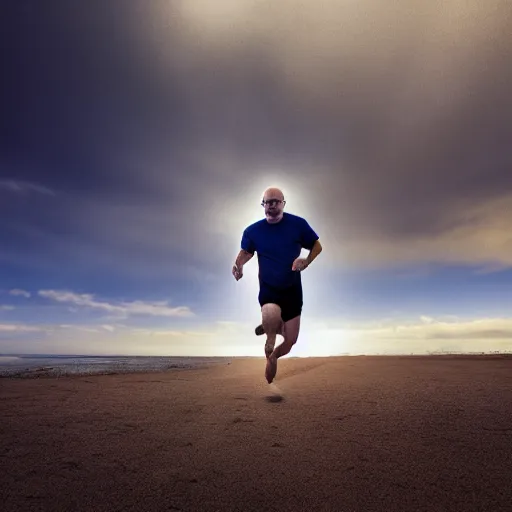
(278, 239)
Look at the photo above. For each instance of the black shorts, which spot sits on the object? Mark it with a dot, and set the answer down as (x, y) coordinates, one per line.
(289, 299)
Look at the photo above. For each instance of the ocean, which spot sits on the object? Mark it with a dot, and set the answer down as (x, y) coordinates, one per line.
(28, 366)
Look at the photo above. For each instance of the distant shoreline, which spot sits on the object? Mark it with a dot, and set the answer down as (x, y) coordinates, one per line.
(126, 365)
(64, 356)
(30, 366)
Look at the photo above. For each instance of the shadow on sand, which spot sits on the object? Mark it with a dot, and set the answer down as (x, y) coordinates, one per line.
(274, 398)
(275, 394)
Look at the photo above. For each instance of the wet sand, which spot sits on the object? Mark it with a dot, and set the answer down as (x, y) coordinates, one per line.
(342, 434)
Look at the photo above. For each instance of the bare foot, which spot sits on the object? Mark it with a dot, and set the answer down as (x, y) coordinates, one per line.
(271, 369)
(259, 330)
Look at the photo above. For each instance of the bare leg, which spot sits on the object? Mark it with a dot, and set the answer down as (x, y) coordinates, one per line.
(272, 324)
(260, 330)
(291, 334)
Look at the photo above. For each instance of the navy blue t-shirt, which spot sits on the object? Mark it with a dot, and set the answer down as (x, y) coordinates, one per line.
(278, 245)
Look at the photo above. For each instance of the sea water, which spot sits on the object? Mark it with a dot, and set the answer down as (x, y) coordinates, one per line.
(60, 365)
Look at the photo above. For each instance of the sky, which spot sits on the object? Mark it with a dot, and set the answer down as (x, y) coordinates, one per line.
(137, 138)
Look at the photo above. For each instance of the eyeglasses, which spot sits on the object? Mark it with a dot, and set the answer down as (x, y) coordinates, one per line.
(272, 202)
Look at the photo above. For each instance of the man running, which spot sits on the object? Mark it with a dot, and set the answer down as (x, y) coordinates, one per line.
(278, 240)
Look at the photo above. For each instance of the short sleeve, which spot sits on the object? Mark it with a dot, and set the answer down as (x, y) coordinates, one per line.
(308, 237)
(247, 243)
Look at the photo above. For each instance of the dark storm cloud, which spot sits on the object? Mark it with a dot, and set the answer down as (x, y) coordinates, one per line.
(149, 115)
(402, 111)
(395, 118)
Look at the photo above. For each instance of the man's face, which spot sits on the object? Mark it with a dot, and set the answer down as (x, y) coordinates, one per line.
(274, 206)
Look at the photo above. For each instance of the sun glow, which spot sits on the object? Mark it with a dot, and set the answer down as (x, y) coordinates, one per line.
(315, 341)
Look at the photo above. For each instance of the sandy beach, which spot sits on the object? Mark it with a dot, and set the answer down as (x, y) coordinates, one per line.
(342, 434)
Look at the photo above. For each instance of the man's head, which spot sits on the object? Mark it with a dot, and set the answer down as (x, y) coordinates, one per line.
(273, 202)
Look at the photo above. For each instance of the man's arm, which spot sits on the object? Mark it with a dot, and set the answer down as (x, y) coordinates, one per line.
(242, 258)
(315, 251)
(246, 253)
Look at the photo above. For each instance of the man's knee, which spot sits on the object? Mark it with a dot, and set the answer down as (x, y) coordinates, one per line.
(270, 309)
(271, 315)
(291, 340)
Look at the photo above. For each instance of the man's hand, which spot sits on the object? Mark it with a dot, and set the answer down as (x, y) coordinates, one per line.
(242, 258)
(237, 272)
(303, 263)
(300, 264)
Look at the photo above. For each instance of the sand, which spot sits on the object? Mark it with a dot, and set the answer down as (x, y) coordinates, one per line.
(345, 434)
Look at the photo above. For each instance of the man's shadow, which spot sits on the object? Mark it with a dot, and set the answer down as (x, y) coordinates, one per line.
(274, 398)
(275, 395)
